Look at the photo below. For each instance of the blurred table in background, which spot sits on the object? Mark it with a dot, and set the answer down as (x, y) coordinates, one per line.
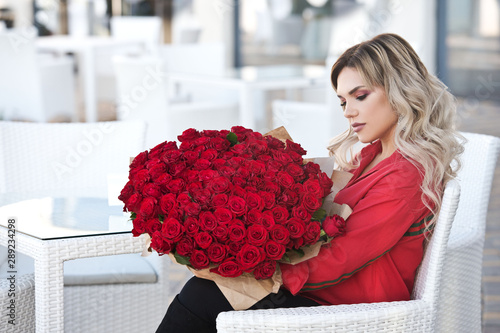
(85, 48)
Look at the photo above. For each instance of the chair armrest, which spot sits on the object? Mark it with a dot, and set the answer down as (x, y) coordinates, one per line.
(404, 316)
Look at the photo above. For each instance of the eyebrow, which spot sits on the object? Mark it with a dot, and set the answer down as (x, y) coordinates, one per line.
(353, 90)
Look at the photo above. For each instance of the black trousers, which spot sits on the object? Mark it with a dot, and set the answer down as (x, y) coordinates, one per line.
(196, 307)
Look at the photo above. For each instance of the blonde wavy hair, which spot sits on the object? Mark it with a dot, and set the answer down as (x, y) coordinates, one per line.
(425, 133)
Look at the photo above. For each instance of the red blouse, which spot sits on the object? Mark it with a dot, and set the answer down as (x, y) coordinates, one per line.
(376, 259)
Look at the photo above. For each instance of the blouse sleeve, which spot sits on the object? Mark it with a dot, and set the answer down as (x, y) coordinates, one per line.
(377, 223)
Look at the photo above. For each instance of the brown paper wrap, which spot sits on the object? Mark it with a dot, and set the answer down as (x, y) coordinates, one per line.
(244, 291)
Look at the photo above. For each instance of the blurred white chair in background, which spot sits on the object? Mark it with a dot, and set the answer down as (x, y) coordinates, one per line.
(33, 87)
(143, 90)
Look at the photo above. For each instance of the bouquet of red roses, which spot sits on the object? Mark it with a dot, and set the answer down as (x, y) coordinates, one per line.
(231, 201)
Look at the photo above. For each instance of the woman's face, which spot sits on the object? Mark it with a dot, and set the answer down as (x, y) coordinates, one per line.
(368, 110)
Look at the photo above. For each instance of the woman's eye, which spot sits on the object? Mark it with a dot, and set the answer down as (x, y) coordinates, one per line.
(342, 104)
(361, 97)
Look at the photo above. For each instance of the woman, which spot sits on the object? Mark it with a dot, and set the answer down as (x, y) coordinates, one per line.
(406, 116)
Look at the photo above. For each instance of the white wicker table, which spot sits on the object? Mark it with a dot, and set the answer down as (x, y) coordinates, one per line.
(40, 235)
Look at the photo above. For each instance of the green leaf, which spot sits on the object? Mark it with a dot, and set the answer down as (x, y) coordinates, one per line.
(161, 218)
(182, 259)
(133, 216)
(232, 137)
(286, 258)
(300, 252)
(319, 215)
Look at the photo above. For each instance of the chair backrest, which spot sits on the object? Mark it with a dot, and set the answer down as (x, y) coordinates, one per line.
(460, 306)
(65, 158)
(476, 176)
(428, 281)
(19, 78)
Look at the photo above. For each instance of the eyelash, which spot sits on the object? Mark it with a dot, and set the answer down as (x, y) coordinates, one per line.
(359, 98)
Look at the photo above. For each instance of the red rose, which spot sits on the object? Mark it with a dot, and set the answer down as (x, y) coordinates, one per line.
(148, 207)
(126, 192)
(284, 179)
(301, 213)
(334, 226)
(264, 270)
(191, 226)
(176, 214)
(199, 259)
(189, 134)
(208, 221)
(235, 247)
(202, 141)
(202, 196)
(282, 157)
(167, 203)
(218, 164)
(258, 147)
(141, 178)
(185, 247)
(139, 160)
(191, 176)
(295, 147)
(289, 198)
(203, 239)
(239, 181)
(183, 200)
(172, 230)
(163, 180)
(280, 214)
(133, 203)
(201, 164)
(274, 166)
(139, 226)
(223, 215)
(171, 156)
(209, 154)
(152, 225)
(313, 231)
(268, 199)
(254, 200)
(221, 233)
(257, 168)
(274, 250)
(257, 234)
(270, 187)
(237, 231)
(228, 268)
(219, 144)
(220, 184)
(295, 171)
(210, 133)
(311, 168)
(312, 186)
(159, 244)
(237, 205)
(296, 227)
(254, 216)
(280, 234)
(220, 200)
(267, 220)
(310, 202)
(176, 185)
(190, 156)
(217, 252)
(249, 256)
(192, 209)
(207, 175)
(274, 143)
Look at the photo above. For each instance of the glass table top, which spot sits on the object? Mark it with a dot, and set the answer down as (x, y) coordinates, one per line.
(55, 218)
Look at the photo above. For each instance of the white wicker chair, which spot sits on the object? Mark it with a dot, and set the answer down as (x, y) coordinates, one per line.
(28, 152)
(460, 306)
(417, 315)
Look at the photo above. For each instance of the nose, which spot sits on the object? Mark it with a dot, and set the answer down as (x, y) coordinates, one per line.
(349, 111)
